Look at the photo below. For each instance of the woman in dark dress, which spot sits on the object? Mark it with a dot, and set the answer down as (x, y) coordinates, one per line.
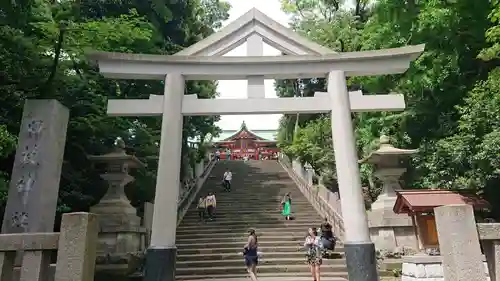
(250, 254)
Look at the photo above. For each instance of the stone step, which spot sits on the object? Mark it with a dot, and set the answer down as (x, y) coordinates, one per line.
(249, 195)
(264, 221)
(267, 197)
(193, 215)
(280, 276)
(258, 210)
(237, 248)
(221, 244)
(243, 229)
(256, 203)
(262, 261)
(258, 225)
(260, 269)
(264, 209)
(338, 255)
(240, 238)
(240, 214)
(193, 237)
(240, 233)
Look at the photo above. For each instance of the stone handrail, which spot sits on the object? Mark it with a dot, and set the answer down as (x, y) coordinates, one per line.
(76, 246)
(193, 190)
(186, 199)
(316, 194)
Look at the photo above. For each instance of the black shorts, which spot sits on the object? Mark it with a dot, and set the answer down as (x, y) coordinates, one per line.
(251, 260)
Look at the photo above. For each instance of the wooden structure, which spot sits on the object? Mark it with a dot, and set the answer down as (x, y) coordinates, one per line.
(245, 143)
(420, 204)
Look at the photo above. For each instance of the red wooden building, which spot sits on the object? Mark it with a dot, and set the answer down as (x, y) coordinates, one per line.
(258, 144)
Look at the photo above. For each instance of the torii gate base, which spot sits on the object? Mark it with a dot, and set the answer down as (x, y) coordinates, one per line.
(202, 61)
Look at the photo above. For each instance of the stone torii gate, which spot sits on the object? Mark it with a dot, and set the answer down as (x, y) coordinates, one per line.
(305, 59)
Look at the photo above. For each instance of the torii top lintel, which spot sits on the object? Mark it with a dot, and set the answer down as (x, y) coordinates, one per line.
(204, 60)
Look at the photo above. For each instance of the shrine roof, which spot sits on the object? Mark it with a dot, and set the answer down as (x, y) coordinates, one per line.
(268, 135)
(262, 135)
(415, 201)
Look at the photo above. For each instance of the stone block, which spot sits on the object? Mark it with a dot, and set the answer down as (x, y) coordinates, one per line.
(434, 270)
(77, 247)
(409, 269)
(489, 231)
(34, 185)
(459, 243)
(420, 271)
(29, 241)
(35, 265)
(387, 218)
(408, 278)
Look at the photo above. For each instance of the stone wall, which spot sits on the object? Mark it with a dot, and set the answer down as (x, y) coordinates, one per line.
(426, 268)
(390, 232)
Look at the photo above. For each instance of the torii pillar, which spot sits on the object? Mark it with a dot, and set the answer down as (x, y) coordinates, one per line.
(162, 253)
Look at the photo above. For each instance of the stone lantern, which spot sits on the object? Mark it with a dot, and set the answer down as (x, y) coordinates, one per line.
(389, 230)
(114, 208)
(120, 233)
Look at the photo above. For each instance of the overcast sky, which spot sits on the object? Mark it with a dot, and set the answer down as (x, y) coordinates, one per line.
(237, 89)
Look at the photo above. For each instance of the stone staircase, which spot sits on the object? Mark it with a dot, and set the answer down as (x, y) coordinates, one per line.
(212, 250)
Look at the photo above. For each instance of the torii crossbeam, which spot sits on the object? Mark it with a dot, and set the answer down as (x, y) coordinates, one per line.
(191, 105)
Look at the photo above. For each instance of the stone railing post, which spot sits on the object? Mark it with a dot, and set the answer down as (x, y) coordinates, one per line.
(147, 220)
(489, 235)
(309, 174)
(77, 250)
(199, 169)
(459, 243)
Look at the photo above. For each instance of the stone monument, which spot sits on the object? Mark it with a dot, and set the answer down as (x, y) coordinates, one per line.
(34, 186)
(388, 230)
(121, 236)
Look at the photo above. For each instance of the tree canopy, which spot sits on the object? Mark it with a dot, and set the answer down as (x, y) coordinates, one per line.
(451, 91)
(42, 45)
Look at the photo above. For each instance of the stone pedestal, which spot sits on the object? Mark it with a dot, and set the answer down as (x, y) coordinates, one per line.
(114, 209)
(388, 230)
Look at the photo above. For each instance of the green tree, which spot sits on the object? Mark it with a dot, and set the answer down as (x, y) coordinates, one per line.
(436, 86)
(42, 47)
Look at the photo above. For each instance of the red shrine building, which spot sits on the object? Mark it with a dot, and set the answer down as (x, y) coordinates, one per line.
(258, 144)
